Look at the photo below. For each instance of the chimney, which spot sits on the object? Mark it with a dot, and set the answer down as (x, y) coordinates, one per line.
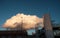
(48, 26)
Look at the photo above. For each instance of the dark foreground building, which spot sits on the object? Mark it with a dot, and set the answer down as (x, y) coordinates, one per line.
(13, 34)
(20, 34)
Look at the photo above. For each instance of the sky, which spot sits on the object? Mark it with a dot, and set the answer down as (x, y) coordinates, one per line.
(9, 8)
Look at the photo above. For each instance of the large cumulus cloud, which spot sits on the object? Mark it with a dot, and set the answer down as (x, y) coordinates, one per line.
(24, 21)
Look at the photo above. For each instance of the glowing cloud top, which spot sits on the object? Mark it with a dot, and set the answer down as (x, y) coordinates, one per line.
(24, 21)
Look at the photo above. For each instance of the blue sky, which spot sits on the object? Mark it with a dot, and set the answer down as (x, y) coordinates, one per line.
(9, 8)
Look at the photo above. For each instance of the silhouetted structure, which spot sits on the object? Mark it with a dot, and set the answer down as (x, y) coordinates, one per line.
(56, 31)
(13, 34)
(41, 33)
(48, 27)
